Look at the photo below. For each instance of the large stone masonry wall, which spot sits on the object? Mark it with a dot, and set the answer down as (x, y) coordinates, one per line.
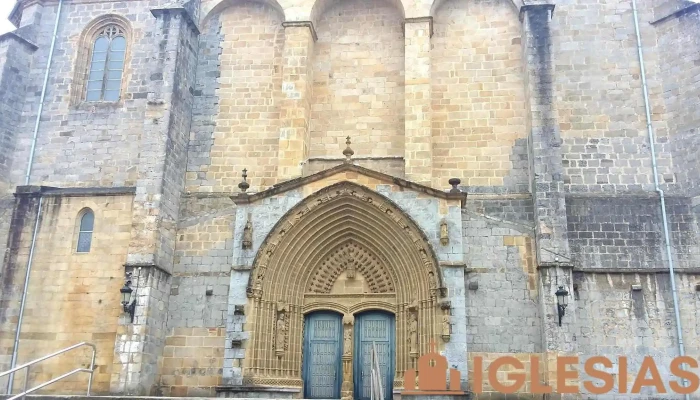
(627, 232)
(501, 284)
(236, 115)
(15, 57)
(679, 36)
(609, 235)
(499, 255)
(478, 95)
(21, 225)
(614, 320)
(72, 297)
(358, 80)
(193, 357)
(600, 103)
(139, 343)
(95, 144)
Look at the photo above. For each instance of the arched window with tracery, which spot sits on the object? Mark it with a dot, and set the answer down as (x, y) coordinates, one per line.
(85, 228)
(102, 61)
(107, 65)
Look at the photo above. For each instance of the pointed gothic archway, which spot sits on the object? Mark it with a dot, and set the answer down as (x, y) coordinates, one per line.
(348, 249)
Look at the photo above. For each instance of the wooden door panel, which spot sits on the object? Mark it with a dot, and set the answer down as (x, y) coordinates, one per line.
(377, 328)
(322, 351)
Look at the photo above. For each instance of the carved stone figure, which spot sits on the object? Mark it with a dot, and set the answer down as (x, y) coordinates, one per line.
(445, 326)
(350, 271)
(281, 333)
(248, 235)
(413, 334)
(347, 343)
(444, 236)
(431, 281)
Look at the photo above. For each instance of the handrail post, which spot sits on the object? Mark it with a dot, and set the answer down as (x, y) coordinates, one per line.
(92, 371)
(26, 379)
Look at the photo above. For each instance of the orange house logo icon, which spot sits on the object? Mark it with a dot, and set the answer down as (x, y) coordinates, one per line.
(432, 376)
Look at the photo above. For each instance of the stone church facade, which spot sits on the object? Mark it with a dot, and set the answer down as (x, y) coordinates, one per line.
(284, 183)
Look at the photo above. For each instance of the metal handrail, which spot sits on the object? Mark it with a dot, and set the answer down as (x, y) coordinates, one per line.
(376, 389)
(91, 370)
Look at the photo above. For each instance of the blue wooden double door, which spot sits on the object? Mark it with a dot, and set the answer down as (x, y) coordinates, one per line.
(323, 350)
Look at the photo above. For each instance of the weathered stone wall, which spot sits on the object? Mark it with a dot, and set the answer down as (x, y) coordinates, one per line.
(488, 392)
(163, 144)
(615, 321)
(499, 255)
(358, 80)
(15, 57)
(236, 114)
(139, 343)
(478, 96)
(192, 362)
(6, 206)
(627, 232)
(21, 227)
(600, 103)
(680, 69)
(86, 144)
(72, 297)
(501, 286)
(177, 65)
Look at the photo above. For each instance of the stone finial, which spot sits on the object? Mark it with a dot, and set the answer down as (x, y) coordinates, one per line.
(455, 182)
(244, 185)
(348, 153)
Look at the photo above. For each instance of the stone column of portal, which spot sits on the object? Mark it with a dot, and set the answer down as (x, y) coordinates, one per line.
(295, 107)
(547, 186)
(418, 147)
(169, 71)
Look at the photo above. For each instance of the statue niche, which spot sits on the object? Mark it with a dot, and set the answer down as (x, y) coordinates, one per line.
(247, 241)
(281, 329)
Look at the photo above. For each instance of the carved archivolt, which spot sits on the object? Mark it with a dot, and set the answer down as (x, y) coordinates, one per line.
(344, 228)
(351, 257)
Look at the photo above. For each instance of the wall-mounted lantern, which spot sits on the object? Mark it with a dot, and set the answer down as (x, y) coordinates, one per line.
(562, 301)
(128, 304)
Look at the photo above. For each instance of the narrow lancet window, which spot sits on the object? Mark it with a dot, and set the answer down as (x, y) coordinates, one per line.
(87, 223)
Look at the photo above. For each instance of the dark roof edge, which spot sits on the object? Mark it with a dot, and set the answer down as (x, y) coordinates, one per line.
(689, 8)
(49, 191)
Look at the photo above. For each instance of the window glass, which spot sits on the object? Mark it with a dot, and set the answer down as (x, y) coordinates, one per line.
(87, 222)
(106, 65)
